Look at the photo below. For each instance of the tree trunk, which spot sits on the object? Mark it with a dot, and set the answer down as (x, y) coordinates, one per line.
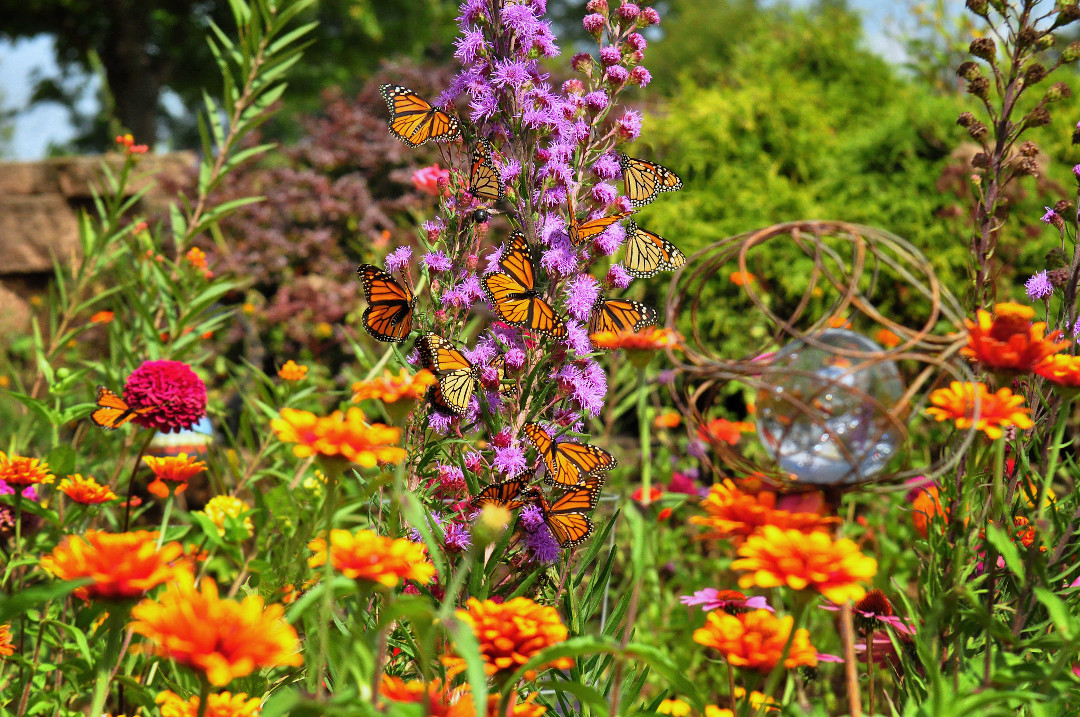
(132, 74)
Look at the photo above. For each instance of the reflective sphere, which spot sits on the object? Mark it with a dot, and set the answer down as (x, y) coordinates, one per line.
(824, 421)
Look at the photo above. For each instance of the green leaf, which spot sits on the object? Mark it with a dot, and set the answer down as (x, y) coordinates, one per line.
(36, 597)
(1007, 548)
(1059, 613)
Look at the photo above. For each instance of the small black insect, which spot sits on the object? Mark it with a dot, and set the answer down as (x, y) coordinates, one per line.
(481, 215)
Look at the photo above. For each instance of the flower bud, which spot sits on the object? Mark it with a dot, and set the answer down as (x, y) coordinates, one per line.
(1027, 36)
(597, 6)
(610, 55)
(1034, 74)
(1057, 91)
(1027, 166)
(983, 47)
(1076, 134)
(981, 160)
(629, 12)
(490, 526)
(978, 7)
(582, 62)
(980, 87)
(1068, 13)
(1071, 53)
(650, 17)
(1058, 277)
(593, 24)
(1037, 117)
(966, 119)
(1029, 149)
(968, 70)
(978, 131)
(1062, 206)
(1045, 42)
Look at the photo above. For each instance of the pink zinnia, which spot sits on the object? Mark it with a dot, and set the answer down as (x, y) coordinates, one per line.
(170, 387)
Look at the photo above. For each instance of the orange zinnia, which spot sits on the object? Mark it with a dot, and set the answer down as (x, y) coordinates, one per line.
(219, 705)
(509, 634)
(735, 514)
(438, 700)
(390, 388)
(102, 317)
(996, 410)
(801, 561)
(347, 436)
(924, 507)
(671, 419)
(7, 644)
(85, 490)
(225, 639)
(1008, 339)
(1062, 369)
(18, 470)
(721, 430)
(650, 339)
(172, 472)
(368, 556)
(292, 371)
(526, 708)
(756, 640)
(121, 565)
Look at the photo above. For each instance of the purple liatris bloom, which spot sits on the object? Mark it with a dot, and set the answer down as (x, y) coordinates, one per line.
(593, 23)
(531, 517)
(439, 422)
(604, 194)
(398, 259)
(640, 76)
(596, 101)
(416, 536)
(1076, 171)
(650, 16)
(618, 276)
(606, 167)
(636, 41)
(628, 12)
(610, 239)
(628, 126)
(610, 55)
(456, 538)
(1039, 286)
(577, 338)
(509, 460)
(542, 545)
(581, 294)
(1050, 216)
(510, 74)
(437, 262)
(616, 74)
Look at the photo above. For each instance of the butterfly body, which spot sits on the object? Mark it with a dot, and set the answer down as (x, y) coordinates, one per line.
(389, 314)
(513, 294)
(644, 180)
(566, 517)
(113, 411)
(648, 254)
(485, 182)
(414, 121)
(583, 231)
(568, 464)
(455, 375)
(505, 494)
(620, 315)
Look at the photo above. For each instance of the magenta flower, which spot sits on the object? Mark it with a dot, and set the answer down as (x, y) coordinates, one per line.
(427, 180)
(730, 601)
(874, 612)
(398, 259)
(172, 389)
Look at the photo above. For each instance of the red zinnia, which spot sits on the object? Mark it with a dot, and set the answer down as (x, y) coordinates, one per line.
(173, 389)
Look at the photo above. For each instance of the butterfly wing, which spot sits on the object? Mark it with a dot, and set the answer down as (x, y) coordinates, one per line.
(512, 292)
(643, 180)
(484, 181)
(582, 497)
(113, 411)
(389, 314)
(455, 375)
(506, 494)
(540, 438)
(584, 231)
(414, 121)
(620, 315)
(575, 461)
(648, 254)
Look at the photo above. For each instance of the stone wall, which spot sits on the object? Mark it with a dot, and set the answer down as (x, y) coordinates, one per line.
(39, 207)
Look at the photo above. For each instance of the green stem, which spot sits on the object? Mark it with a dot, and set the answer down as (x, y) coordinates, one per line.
(165, 519)
(114, 626)
(801, 601)
(1064, 410)
(645, 437)
(204, 695)
(332, 470)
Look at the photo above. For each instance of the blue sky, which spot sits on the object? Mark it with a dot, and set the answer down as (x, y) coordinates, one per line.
(23, 61)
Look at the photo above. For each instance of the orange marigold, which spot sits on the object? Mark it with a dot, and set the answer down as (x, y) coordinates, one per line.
(996, 410)
(364, 555)
(509, 634)
(1009, 340)
(19, 470)
(225, 639)
(292, 371)
(224, 704)
(649, 339)
(756, 640)
(347, 436)
(390, 388)
(777, 557)
(1062, 369)
(85, 490)
(7, 643)
(525, 708)
(102, 317)
(721, 430)
(121, 565)
(438, 700)
(731, 513)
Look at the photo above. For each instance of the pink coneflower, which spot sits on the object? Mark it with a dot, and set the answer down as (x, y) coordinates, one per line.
(730, 601)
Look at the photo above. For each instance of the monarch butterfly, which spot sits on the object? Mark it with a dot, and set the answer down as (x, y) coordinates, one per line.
(113, 411)
(643, 180)
(648, 254)
(455, 374)
(566, 516)
(568, 463)
(414, 121)
(620, 315)
(587, 230)
(505, 494)
(484, 181)
(389, 314)
(513, 295)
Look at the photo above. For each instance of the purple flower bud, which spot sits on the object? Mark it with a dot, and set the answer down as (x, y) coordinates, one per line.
(439, 422)
(531, 517)
(604, 194)
(610, 239)
(622, 204)
(596, 101)
(618, 276)
(593, 24)
(573, 87)
(581, 62)
(581, 293)
(616, 74)
(606, 167)
(640, 76)
(610, 55)
(599, 6)
(1076, 171)
(628, 12)
(636, 41)
(515, 358)
(398, 259)
(1039, 287)
(650, 16)
(577, 338)
(437, 262)
(433, 228)
(628, 127)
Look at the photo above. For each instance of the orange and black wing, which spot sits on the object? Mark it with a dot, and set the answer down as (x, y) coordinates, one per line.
(389, 314)
(112, 411)
(455, 375)
(566, 517)
(568, 464)
(484, 181)
(620, 315)
(414, 121)
(506, 494)
(648, 254)
(643, 180)
(512, 292)
(587, 230)
(582, 497)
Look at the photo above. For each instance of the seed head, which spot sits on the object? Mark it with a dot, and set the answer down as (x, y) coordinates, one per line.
(1034, 74)
(980, 87)
(983, 47)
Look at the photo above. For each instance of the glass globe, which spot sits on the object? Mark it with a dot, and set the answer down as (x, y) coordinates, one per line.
(824, 421)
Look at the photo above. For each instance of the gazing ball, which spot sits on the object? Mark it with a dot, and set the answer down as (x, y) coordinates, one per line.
(480, 215)
(825, 419)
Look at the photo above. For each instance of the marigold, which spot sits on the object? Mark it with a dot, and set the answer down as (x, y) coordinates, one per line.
(85, 490)
(292, 371)
(438, 700)
(1062, 369)
(347, 436)
(121, 565)
(996, 410)
(801, 561)
(649, 339)
(720, 430)
(224, 704)
(1008, 340)
(731, 513)
(19, 470)
(221, 506)
(102, 317)
(172, 472)
(390, 388)
(365, 555)
(756, 640)
(7, 643)
(509, 634)
(225, 639)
